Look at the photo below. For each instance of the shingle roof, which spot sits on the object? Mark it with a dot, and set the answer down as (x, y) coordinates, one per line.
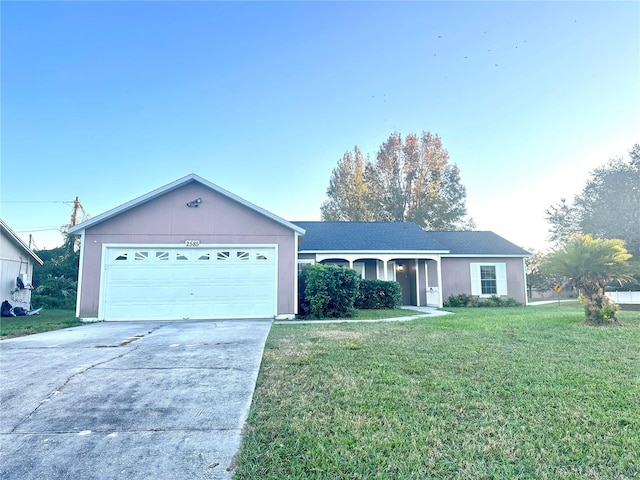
(401, 236)
(477, 243)
(358, 236)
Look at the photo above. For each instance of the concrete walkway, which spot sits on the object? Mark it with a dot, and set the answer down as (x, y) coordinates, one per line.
(422, 313)
(128, 400)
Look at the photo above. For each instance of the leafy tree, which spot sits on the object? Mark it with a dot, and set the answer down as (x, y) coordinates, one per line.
(410, 180)
(349, 190)
(536, 279)
(589, 264)
(607, 207)
(55, 281)
(564, 222)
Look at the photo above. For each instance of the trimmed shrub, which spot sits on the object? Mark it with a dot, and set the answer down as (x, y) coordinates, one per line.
(377, 294)
(328, 291)
(465, 300)
(495, 301)
(460, 300)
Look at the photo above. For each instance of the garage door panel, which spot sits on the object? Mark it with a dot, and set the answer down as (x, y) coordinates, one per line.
(176, 283)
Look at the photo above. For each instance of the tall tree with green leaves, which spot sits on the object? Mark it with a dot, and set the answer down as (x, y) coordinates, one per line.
(536, 278)
(411, 180)
(348, 190)
(607, 207)
(589, 264)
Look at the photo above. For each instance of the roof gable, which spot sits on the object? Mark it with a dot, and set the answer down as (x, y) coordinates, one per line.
(173, 186)
(17, 241)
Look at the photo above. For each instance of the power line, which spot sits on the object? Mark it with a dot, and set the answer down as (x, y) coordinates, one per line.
(36, 201)
(38, 229)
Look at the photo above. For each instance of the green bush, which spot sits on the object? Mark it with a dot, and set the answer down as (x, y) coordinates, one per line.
(377, 294)
(465, 300)
(460, 300)
(496, 301)
(327, 291)
(55, 292)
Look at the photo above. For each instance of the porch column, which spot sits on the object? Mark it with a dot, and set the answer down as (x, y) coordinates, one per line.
(384, 269)
(417, 282)
(350, 263)
(440, 302)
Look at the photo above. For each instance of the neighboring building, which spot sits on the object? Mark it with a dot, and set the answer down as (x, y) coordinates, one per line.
(17, 262)
(192, 250)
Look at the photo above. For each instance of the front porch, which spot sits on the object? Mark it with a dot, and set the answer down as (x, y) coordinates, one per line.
(419, 275)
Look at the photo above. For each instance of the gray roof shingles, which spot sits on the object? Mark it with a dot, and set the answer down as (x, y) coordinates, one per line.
(401, 236)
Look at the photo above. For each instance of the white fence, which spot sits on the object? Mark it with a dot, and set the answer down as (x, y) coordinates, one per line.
(624, 297)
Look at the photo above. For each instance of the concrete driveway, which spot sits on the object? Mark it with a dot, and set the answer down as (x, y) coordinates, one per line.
(126, 400)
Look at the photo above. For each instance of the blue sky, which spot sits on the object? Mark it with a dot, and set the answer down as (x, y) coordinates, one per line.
(109, 100)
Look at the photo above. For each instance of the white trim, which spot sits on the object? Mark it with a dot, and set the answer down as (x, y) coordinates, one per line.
(202, 246)
(391, 253)
(16, 239)
(352, 256)
(276, 283)
(440, 286)
(295, 275)
(80, 267)
(471, 255)
(173, 186)
(526, 290)
(417, 282)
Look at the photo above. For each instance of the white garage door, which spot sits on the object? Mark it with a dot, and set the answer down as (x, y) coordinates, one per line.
(152, 283)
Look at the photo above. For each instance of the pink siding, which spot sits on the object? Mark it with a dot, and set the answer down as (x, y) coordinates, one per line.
(456, 276)
(167, 220)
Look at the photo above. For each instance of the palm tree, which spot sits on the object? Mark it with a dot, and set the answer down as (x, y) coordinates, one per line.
(589, 264)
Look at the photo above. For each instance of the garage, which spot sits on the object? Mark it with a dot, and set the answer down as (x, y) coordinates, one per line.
(187, 250)
(167, 283)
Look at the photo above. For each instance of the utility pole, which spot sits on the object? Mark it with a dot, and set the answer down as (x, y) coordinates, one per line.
(77, 207)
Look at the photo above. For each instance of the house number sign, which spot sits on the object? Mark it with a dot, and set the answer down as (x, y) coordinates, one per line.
(192, 243)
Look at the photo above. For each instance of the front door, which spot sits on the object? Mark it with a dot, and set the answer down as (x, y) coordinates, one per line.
(404, 278)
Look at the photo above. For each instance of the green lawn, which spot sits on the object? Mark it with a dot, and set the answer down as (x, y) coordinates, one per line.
(517, 393)
(47, 320)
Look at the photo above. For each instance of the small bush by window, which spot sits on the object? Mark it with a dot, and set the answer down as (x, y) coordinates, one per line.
(465, 300)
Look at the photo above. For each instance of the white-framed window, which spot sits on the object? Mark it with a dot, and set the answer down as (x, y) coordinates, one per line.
(359, 267)
(488, 279)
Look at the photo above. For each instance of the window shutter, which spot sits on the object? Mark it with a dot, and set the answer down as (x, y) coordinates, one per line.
(476, 289)
(501, 276)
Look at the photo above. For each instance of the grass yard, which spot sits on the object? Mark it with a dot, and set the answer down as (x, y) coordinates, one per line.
(514, 393)
(47, 320)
